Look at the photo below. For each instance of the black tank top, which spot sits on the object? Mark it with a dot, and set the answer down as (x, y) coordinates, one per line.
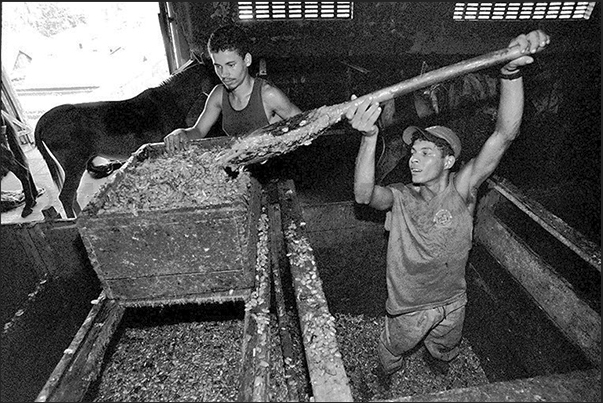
(251, 117)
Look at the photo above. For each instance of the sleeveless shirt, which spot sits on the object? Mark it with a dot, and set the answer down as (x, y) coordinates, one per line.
(428, 248)
(251, 117)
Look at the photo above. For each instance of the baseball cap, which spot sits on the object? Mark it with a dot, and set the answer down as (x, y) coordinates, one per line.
(437, 131)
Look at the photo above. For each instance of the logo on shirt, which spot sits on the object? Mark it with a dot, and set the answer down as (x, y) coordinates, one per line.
(442, 218)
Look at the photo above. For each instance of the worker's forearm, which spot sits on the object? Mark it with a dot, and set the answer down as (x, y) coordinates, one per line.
(193, 133)
(510, 109)
(364, 174)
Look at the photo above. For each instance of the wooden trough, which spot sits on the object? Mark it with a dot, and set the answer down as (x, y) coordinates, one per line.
(81, 363)
(198, 243)
(284, 257)
(571, 309)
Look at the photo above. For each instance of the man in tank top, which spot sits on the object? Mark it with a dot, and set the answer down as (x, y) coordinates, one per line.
(245, 103)
(430, 221)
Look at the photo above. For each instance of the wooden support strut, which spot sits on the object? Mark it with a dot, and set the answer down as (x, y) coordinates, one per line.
(587, 250)
(255, 375)
(574, 317)
(81, 362)
(277, 254)
(328, 378)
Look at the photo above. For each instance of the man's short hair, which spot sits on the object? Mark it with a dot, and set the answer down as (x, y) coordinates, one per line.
(229, 37)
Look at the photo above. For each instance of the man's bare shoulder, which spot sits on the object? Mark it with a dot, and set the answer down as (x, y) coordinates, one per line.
(215, 96)
(270, 90)
(276, 101)
(465, 183)
(216, 91)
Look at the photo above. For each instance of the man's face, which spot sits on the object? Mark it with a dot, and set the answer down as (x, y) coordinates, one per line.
(426, 161)
(230, 67)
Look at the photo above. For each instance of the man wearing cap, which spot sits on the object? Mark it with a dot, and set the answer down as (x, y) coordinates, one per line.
(430, 221)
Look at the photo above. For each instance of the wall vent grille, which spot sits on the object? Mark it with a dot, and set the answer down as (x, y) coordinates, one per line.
(563, 10)
(295, 10)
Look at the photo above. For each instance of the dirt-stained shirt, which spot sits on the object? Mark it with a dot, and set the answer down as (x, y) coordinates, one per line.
(428, 248)
(248, 119)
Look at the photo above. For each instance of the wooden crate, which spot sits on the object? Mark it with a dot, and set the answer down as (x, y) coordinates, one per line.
(173, 254)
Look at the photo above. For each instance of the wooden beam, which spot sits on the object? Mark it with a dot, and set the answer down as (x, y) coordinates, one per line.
(278, 260)
(329, 380)
(571, 238)
(574, 317)
(255, 376)
(81, 362)
(168, 43)
(11, 103)
(577, 386)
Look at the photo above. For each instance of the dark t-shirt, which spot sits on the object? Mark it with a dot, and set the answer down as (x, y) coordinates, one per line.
(248, 119)
(428, 248)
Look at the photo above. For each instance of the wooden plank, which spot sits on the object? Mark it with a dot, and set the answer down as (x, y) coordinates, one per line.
(44, 248)
(577, 386)
(11, 102)
(573, 239)
(278, 256)
(328, 378)
(210, 297)
(65, 247)
(177, 285)
(19, 269)
(574, 317)
(40, 331)
(88, 245)
(49, 299)
(82, 360)
(26, 235)
(256, 339)
(171, 243)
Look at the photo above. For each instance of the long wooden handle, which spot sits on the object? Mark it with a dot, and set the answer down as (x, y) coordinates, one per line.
(441, 74)
(304, 127)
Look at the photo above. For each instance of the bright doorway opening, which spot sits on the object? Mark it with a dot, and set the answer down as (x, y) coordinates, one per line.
(58, 52)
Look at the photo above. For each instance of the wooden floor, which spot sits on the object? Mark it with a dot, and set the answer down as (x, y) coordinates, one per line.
(88, 186)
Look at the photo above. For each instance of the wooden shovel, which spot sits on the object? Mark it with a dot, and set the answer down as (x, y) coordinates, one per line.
(287, 135)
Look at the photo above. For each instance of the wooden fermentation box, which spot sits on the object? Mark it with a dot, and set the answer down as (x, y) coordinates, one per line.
(161, 230)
